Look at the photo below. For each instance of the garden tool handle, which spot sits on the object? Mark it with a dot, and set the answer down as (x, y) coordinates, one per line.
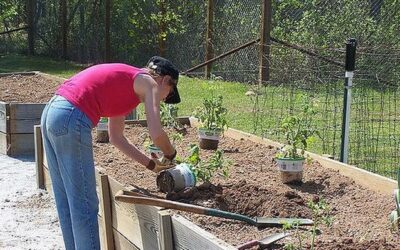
(131, 197)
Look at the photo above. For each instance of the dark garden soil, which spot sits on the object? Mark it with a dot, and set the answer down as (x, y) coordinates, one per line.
(27, 89)
(360, 216)
(254, 188)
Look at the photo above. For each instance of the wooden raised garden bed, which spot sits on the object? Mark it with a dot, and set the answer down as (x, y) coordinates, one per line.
(126, 226)
(23, 97)
(360, 201)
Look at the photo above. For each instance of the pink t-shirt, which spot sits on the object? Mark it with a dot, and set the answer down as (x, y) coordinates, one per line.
(102, 90)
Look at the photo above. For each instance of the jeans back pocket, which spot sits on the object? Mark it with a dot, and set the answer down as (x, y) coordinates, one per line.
(58, 118)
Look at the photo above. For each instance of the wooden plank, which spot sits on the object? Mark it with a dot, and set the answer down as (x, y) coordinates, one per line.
(39, 157)
(124, 216)
(132, 116)
(101, 232)
(47, 181)
(4, 113)
(28, 73)
(21, 111)
(122, 243)
(25, 126)
(187, 235)
(98, 190)
(45, 163)
(21, 144)
(106, 212)
(138, 223)
(166, 240)
(182, 120)
(360, 176)
(4, 143)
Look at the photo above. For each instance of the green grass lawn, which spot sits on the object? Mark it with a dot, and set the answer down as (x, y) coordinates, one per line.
(21, 63)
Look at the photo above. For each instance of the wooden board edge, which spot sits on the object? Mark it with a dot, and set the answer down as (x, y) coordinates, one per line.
(184, 120)
(165, 226)
(39, 157)
(106, 212)
(188, 235)
(4, 117)
(24, 73)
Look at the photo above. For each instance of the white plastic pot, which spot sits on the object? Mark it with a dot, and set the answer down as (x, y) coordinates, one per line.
(291, 169)
(209, 134)
(157, 151)
(290, 165)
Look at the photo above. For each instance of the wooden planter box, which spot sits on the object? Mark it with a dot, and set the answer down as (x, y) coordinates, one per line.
(127, 226)
(17, 121)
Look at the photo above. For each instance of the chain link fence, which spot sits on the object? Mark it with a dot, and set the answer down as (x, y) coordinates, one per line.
(177, 29)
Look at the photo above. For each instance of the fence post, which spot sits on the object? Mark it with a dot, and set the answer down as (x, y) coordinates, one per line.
(265, 40)
(349, 66)
(209, 47)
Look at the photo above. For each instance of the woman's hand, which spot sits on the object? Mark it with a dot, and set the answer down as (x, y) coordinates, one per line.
(162, 163)
(159, 164)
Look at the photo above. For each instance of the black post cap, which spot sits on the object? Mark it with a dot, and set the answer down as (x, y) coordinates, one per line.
(351, 45)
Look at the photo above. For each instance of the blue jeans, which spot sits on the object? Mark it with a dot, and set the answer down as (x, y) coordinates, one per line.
(67, 139)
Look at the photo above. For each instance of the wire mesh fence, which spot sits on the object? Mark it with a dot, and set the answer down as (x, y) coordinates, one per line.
(177, 29)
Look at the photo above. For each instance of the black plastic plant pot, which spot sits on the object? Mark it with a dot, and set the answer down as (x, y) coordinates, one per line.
(102, 136)
(176, 179)
(102, 130)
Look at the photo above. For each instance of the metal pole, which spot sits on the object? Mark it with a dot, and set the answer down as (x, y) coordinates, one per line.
(349, 66)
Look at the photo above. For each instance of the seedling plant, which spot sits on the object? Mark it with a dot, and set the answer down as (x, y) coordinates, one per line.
(169, 116)
(321, 215)
(204, 170)
(299, 132)
(212, 115)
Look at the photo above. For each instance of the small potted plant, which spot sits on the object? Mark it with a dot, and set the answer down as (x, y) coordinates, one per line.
(192, 170)
(169, 116)
(299, 131)
(156, 151)
(212, 118)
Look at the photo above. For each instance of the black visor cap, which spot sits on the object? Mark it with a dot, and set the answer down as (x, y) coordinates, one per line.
(164, 67)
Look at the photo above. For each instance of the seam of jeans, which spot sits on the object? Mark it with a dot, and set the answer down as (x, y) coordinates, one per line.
(86, 195)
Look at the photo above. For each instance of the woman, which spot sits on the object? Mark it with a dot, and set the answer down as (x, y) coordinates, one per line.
(104, 90)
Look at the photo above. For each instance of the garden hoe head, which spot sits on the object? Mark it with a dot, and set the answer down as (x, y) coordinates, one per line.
(261, 222)
(263, 243)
